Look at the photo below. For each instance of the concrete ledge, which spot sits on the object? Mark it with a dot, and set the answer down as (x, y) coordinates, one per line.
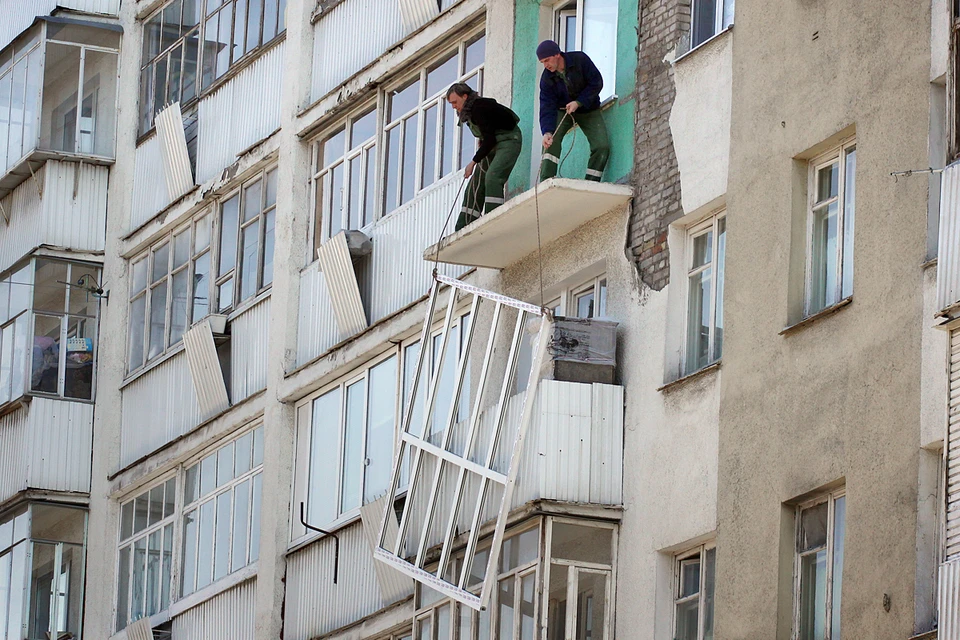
(509, 233)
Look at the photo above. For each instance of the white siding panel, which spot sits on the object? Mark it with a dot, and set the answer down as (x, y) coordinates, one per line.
(446, 4)
(205, 370)
(227, 616)
(241, 112)
(393, 584)
(150, 194)
(249, 349)
(158, 407)
(316, 328)
(417, 13)
(952, 540)
(27, 457)
(314, 604)
(948, 260)
(338, 272)
(20, 14)
(108, 7)
(606, 430)
(949, 625)
(337, 51)
(58, 219)
(173, 149)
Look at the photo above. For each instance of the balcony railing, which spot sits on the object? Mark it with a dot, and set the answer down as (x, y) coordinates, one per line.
(58, 96)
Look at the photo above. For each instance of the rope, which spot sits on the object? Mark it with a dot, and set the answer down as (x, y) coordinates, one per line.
(456, 199)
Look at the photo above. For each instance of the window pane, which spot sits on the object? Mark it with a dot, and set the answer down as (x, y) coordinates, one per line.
(404, 100)
(424, 629)
(255, 518)
(225, 465)
(210, 48)
(336, 200)
(189, 579)
(252, 196)
(448, 140)
(600, 40)
(355, 206)
(202, 234)
(45, 371)
(223, 41)
(208, 475)
(192, 56)
(381, 429)
(429, 146)
(169, 497)
(702, 249)
(824, 258)
(813, 527)
(408, 181)
(205, 552)
(221, 563)
(698, 320)
(253, 25)
(228, 235)
(392, 169)
(441, 75)
(443, 622)
(166, 572)
(180, 305)
(269, 20)
(704, 21)
(689, 577)
(505, 601)
(588, 544)
(828, 179)
(225, 295)
(520, 549)
(123, 587)
(141, 510)
(813, 578)
(475, 53)
(137, 606)
(158, 317)
(161, 267)
(718, 296)
(849, 214)
(333, 148)
(687, 617)
(249, 257)
(241, 520)
(242, 457)
(591, 605)
(585, 304)
(258, 447)
(839, 529)
(528, 606)
(363, 128)
(353, 447)
(201, 287)
(324, 467)
(155, 511)
(153, 572)
(49, 292)
(269, 239)
(465, 623)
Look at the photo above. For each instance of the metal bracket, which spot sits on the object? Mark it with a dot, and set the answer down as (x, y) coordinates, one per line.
(3, 212)
(35, 181)
(336, 542)
(76, 179)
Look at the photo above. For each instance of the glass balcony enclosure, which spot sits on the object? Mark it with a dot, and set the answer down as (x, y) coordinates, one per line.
(42, 572)
(58, 96)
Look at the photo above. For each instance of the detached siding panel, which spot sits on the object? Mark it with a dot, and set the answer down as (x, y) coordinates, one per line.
(249, 349)
(952, 541)
(158, 407)
(948, 259)
(150, 195)
(227, 616)
(314, 605)
(240, 113)
(337, 51)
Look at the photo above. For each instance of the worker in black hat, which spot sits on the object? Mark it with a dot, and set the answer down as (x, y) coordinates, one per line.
(570, 94)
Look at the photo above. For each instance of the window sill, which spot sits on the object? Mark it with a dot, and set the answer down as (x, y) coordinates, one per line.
(210, 591)
(704, 44)
(829, 311)
(699, 373)
(336, 526)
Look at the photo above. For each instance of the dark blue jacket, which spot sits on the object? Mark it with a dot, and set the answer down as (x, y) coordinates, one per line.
(585, 86)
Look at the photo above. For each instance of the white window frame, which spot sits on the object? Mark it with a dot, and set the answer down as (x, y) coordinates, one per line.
(836, 155)
(564, 303)
(722, 18)
(831, 500)
(176, 519)
(716, 264)
(576, 9)
(385, 123)
(698, 552)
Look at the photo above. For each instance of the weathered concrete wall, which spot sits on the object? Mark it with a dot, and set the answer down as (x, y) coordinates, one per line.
(839, 399)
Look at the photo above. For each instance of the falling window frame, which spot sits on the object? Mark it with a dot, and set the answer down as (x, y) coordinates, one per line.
(575, 10)
(192, 308)
(705, 596)
(819, 296)
(165, 524)
(253, 475)
(201, 86)
(229, 281)
(691, 358)
(487, 472)
(460, 154)
(709, 18)
(176, 519)
(831, 604)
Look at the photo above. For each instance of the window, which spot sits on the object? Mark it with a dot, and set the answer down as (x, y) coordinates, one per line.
(215, 521)
(590, 26)
(171, 285)
(578, 562)
(20, 66)
(380, 158)
(706, 249)
(170, 290)
(189, 38)
(709, 17)
(352, 436)
(830, 228)
(247, 227)
(221, 512)
(819, 567)
(145, 560)
(696, 573)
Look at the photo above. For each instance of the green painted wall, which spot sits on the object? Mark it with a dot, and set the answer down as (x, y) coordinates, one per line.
(619, 116)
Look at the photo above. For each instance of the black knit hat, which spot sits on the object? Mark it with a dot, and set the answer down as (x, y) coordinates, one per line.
(546, 49)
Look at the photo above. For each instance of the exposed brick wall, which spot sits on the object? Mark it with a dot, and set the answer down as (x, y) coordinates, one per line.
(656, 176)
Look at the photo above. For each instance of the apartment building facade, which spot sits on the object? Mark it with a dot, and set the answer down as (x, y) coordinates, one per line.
(262, 445)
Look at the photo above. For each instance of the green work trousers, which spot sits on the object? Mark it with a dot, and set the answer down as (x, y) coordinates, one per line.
(592, 125)
(485, 189)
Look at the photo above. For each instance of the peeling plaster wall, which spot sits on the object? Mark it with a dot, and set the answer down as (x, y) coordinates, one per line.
(700, 121)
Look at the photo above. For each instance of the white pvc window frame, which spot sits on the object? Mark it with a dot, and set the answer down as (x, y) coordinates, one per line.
(716, 225)
(722, 18)
(486, 472)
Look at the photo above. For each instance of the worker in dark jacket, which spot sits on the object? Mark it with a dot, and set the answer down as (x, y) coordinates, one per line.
(495, 126)
(570, 94)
